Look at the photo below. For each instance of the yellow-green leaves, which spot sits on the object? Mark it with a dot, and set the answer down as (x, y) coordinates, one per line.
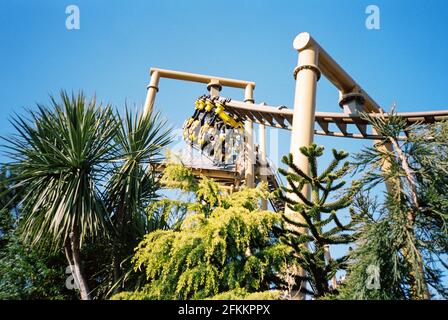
(177, 176)
(226, 244)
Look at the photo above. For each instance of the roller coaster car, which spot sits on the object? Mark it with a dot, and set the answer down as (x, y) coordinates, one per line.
(213, 130)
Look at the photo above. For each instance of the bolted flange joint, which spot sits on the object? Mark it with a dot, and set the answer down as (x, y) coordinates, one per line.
(353, 96)
(149, 86)
(214, 84)
(308, 67)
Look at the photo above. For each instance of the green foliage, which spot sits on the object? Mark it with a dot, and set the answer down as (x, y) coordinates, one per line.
(86, 181)
(208, 194)
(24, 273)
(406, 236)
(378, 251)
(58, 158)
(430, 162)
(241, 294)
(316, 225)
(131, 188)
(167, 214)
(177, 176)
(226, 243)
(236, 294)
(131, 295)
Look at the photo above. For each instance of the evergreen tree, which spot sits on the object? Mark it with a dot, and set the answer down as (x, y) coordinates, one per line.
(226, 247)
(316, 224)
(376, 270)
(404, 238)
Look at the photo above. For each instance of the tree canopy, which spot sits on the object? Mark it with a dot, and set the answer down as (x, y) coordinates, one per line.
(226, 246)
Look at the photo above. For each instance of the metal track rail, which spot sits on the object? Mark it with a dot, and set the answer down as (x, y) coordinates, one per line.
(345, 125)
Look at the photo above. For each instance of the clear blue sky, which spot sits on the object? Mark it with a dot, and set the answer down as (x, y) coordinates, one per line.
(404, 61)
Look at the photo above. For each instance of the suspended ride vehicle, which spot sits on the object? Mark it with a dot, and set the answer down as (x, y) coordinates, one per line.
(214, 131)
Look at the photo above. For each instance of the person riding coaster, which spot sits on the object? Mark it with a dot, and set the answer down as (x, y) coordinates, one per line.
(192, 125)
(214, 131)
(204, 106)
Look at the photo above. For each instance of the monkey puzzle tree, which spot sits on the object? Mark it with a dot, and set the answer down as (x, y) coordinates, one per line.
(316, 225)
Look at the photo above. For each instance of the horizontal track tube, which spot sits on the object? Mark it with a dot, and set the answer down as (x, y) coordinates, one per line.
(194, 77)
(325, 116)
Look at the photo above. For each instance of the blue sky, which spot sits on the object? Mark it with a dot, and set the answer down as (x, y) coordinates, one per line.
(118, 41)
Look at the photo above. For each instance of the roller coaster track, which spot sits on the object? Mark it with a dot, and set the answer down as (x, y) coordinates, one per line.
(226, 177)
(348, 124)
(330, 123)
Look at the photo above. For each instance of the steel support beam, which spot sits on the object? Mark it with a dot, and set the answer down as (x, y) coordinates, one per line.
(249, 151)
(152, 90)
(262, 159)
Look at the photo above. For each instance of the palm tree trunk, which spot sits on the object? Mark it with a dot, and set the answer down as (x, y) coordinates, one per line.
(69, 256)
(77, 268)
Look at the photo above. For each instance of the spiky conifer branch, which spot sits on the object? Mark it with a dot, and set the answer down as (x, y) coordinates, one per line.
(310, 225)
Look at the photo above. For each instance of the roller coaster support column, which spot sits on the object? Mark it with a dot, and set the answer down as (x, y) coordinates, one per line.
(306, 74)
(262, 158)
(249, 153)
(152, 90)
(214, 87)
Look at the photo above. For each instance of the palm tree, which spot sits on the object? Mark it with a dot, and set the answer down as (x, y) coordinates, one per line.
(134, 184)
(60, 156)
(85, 175)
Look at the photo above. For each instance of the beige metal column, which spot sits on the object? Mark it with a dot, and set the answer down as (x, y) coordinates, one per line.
(249, 141)
(152, 90)
(263, 161)
(306, 74)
